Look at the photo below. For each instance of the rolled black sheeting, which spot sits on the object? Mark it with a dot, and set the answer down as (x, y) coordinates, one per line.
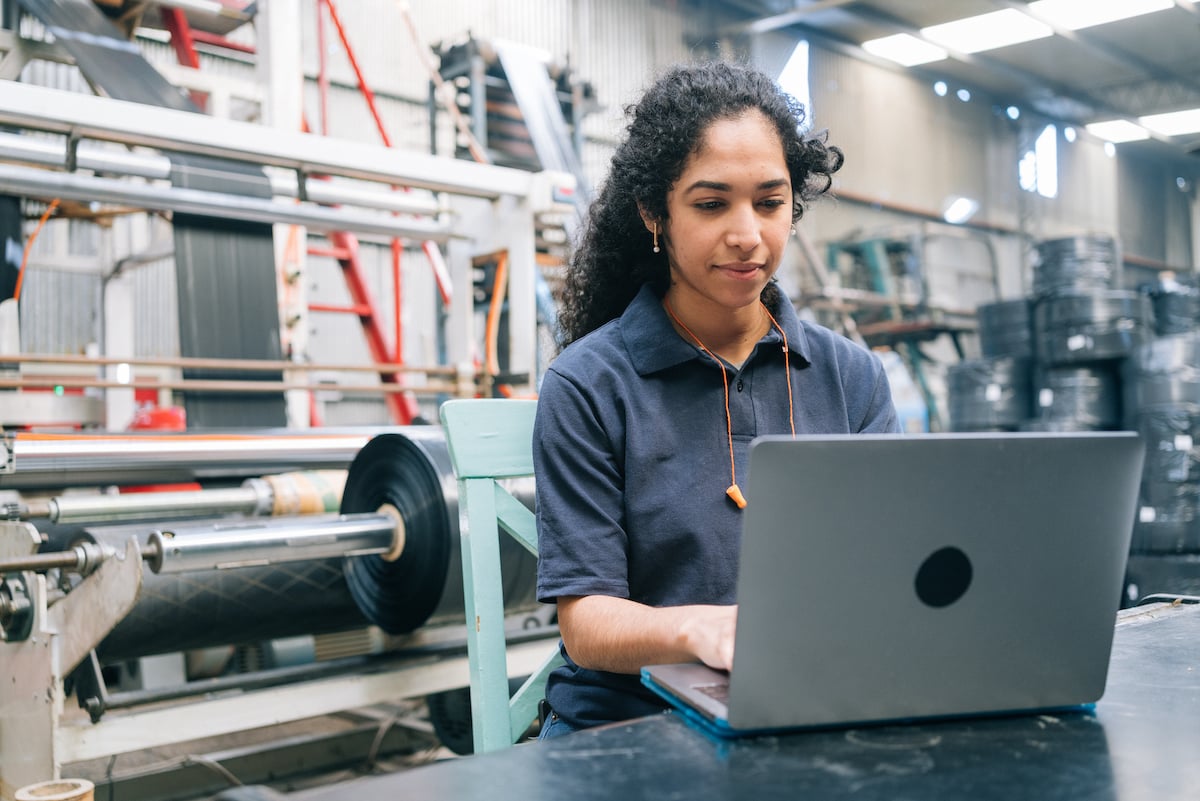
(1076, 264)
(1165, 373)
(1087, 397)
(104, 55)
(1163, 393)
(1176, 304)
(989, 394)
(239, 606)
(1098, 326)
(1006, 328)
(412, 472)
(228, 299)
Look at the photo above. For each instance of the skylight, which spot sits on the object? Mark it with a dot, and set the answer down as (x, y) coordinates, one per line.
(1077, 14)
(1118, 131)
(905, 49)
(1174, 123)
(987, 31)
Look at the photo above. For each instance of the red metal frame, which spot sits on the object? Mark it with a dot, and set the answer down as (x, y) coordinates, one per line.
(183, 40)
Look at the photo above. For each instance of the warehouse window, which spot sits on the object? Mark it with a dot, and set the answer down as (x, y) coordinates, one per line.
(1038, 168)
(794, 79)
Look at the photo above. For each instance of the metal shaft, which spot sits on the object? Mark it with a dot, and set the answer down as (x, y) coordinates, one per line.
(216, 546)
(91, 460)
(68, 509)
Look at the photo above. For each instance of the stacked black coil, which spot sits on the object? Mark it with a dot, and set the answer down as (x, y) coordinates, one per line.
(1163, 394)
(1006, 328)
(1176, 303)
(989, 394)
(1100, 326)
(1076, 398)
(1076, 264)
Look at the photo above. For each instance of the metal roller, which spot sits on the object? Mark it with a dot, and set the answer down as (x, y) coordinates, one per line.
(56, 461)
(399, 480)
(308, 492)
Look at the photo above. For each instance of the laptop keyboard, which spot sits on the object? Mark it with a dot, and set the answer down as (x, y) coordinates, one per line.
(717, 692)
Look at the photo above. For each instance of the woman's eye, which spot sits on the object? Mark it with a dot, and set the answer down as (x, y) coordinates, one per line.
(709, 205)
(774, 202)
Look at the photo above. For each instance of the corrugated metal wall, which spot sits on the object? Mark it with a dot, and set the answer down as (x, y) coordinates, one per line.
(904, 145)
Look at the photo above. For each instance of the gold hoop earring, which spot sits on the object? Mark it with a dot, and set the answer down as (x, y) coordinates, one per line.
(655, 232)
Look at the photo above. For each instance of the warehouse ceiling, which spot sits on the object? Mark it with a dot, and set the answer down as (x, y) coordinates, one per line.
(1125, 69)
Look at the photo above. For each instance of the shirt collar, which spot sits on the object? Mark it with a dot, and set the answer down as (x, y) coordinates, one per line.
(654, 345)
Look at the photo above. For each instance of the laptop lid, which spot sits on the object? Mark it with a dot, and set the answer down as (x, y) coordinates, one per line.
(899, 577)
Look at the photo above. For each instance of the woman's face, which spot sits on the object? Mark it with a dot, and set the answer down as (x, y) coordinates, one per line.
(729, 215)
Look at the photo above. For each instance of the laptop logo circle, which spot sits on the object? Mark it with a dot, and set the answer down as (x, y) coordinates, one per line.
(943, 577)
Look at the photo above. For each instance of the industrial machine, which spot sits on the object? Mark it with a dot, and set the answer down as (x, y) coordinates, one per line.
(90, 583)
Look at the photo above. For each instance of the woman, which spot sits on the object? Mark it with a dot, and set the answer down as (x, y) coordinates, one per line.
(679, 350)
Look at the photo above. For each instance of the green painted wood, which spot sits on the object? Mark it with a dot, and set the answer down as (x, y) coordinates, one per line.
(491, 439)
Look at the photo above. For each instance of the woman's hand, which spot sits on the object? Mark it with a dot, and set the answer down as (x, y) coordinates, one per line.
(708, 633)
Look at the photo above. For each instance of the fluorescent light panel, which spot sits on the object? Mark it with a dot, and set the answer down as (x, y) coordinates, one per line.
(904, 49)
(1075, 15)
(1174, 123)
(987, 31)
(1118, 131)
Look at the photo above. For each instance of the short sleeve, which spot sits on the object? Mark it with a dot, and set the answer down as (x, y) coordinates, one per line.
(582, 543)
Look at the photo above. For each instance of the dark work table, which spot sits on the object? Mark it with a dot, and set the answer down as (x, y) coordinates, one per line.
(1142, 741)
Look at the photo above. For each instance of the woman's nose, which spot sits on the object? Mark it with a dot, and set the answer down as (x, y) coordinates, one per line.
(743, 232)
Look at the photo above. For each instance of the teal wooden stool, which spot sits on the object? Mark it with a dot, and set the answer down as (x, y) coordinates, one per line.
(491, 439)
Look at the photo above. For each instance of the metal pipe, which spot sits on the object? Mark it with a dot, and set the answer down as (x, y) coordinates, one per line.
(28, 181)
(88, 117)
(90, 156)
(43, 461)
(248, 499)
(249, 365)
(190, 547)
(219, 385)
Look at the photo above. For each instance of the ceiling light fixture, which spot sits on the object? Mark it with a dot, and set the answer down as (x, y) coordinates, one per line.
(1075, 15)
(905, 49)
(1118, 131)
(987, 31)
(1174, 123)
(959, 209)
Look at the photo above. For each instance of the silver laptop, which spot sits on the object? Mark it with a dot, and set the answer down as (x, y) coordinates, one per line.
(887, 578)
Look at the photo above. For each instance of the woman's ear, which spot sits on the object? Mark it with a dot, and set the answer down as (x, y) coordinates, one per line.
(647, 219)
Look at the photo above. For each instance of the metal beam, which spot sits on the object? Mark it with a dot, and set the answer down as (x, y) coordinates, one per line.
(31, 182)
(84, 116)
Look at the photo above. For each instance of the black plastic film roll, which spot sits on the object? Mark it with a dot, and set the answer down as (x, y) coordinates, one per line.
(1076, 264)
(1165, 372)
(1085, 396)
(991, 394)
(1006, 328)
(1094, 327)
(412, 474)
(1176, 304)
(207, 608)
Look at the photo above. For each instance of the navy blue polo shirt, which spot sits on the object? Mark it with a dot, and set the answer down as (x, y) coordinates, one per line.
(631, 456)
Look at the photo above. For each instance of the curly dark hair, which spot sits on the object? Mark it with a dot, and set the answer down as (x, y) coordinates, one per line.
(613, 258)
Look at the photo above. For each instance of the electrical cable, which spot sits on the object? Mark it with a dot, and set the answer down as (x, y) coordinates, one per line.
(29, 247)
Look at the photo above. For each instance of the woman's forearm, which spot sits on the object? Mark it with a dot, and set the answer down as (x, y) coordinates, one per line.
(621, 636)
